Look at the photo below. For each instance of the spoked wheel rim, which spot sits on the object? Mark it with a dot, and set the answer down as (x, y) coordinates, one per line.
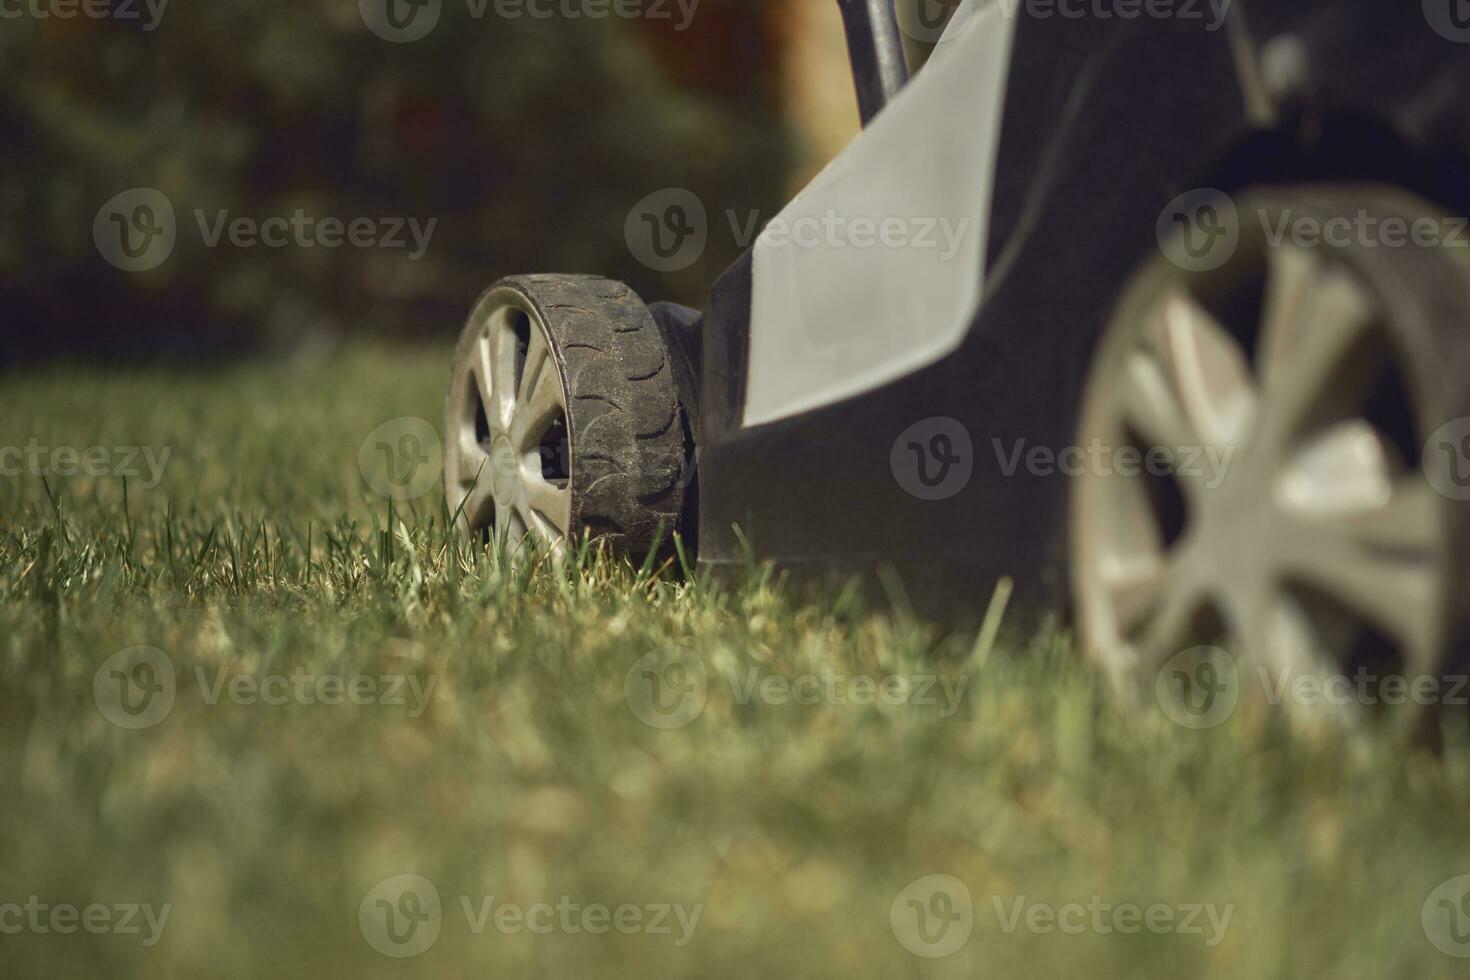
(1309, 542)
(508, 460)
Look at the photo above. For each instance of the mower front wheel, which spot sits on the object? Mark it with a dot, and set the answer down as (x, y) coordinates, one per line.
(563, 420)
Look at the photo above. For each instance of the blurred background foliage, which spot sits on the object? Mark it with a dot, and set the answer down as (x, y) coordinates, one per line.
(528, 140)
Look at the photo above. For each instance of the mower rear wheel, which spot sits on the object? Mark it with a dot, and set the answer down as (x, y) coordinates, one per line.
(1303, 515)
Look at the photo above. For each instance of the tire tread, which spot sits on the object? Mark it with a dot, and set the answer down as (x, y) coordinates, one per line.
(625, 422)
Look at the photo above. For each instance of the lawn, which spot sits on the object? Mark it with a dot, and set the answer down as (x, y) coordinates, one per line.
(600, 771)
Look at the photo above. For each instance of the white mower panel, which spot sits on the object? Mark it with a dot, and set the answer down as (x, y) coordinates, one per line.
(876, 268)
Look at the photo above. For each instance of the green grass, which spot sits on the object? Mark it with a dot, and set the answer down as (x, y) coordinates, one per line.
(529, 776)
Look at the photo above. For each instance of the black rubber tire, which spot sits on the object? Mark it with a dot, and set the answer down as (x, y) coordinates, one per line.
(625, 423)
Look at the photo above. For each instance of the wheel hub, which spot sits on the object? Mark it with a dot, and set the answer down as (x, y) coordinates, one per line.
(505, 466)
(505, 397)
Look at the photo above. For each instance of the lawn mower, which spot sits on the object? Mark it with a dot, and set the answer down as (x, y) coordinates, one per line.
(1139, 387)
